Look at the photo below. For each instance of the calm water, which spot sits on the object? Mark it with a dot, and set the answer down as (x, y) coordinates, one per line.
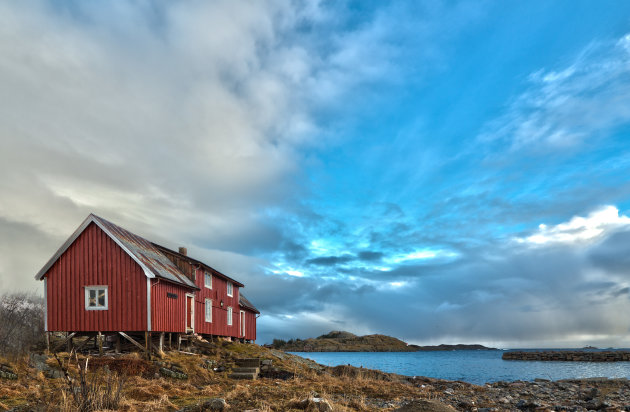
(470, 366)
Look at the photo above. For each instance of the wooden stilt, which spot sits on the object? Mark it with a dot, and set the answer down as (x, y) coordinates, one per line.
(68, 341)
(85, 342)
(47, 343)
(161, 344)
(117, 343)
(147, 343)
(130, 339)
(99, 339)
(179, 341)
(170, 346)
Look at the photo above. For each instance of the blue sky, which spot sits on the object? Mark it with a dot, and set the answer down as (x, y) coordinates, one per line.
(440, 171)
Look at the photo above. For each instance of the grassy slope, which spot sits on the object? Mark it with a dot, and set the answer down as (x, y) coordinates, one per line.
(347, 388)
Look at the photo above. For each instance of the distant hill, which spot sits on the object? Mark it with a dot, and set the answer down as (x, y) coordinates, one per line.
(340, 341)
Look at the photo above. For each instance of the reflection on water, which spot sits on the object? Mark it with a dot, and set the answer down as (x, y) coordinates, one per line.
(470, 366)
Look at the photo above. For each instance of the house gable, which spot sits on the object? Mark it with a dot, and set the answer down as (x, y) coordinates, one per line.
(151, 260)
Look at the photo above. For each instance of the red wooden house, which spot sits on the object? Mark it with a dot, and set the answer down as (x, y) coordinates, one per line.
(105, 279)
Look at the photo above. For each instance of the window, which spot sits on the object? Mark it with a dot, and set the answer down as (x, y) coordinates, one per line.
(207, 280)
(229, 318)
(208, 310)
(96, 298)
(230, 291)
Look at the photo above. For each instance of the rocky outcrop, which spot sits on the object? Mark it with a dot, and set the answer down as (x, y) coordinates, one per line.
(338, 341)
(568, 356)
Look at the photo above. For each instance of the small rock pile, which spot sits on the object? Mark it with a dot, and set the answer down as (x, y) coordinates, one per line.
(7, 372)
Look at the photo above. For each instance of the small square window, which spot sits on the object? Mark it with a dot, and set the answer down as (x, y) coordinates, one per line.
(207, 280)
(96, 298)
(230, 289)
(229, 316)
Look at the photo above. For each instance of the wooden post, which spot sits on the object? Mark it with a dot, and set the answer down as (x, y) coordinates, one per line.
(161, 344)
(179, 341)
(99, 339)
(117, 343)
(69, 342)
(170, 346)
(147, 343)
(47, 343)
(130, 339)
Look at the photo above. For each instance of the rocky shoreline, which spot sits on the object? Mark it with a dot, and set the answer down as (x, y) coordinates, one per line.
(569, 356)
(578, 395)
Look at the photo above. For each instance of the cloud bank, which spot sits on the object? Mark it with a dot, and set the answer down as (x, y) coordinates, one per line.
(325, 155)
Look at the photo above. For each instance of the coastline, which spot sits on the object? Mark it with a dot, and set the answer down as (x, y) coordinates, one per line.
(293, 383)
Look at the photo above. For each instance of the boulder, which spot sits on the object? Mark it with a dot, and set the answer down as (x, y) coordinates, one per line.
(425, 405)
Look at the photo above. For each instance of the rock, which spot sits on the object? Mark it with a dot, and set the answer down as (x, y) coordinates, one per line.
(314, 404)
(424, 405)
(216, 404)
(173, 374)
(527, 405)
(8, 375)
(38, 362)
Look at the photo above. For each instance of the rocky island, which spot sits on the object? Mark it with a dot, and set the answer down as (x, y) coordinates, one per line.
(340, 341)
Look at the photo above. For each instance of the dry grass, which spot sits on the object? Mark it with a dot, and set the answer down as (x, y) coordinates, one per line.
(346, 389)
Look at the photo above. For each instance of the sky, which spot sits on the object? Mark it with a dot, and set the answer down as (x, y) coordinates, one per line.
(439, 171)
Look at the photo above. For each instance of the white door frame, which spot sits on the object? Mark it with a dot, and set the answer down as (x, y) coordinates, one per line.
(242, 323)
(192, 313)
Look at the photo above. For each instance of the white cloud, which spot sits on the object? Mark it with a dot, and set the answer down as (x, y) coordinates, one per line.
(181, 122)
(579, 230)
(565, 107)
(420, 255)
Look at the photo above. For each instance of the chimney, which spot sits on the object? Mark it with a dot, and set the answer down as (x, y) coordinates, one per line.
(183, 251)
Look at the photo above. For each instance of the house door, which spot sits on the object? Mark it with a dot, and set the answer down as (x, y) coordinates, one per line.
(190, 312)
(242, 323)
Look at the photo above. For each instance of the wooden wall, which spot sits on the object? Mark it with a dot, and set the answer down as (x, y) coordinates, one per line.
(95, 259)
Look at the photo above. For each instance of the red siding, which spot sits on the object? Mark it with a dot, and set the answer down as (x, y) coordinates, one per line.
(218, 293)
(168, 314)
(95, 259)
(250, 325)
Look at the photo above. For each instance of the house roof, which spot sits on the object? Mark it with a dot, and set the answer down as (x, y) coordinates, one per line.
(242, 301)
(150, 259)
(200, 263)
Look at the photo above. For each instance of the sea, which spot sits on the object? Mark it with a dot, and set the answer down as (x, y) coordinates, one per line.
(473, 366)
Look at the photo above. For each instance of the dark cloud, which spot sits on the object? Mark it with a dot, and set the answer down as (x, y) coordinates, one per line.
(370, 256)
(330, 260)
(613, 254)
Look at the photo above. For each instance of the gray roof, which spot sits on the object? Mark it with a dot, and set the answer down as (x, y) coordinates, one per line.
(242, 301)
(150, 259)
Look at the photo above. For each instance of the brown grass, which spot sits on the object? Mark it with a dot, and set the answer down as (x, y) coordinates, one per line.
(346, 388)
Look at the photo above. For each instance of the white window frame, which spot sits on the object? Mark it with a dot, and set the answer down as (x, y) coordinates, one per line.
(207, 276)
(208, 307)
(230, 289)
(229, 315)
(96, 288)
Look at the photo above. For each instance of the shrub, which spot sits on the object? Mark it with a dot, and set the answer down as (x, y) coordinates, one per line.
(21, 322)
